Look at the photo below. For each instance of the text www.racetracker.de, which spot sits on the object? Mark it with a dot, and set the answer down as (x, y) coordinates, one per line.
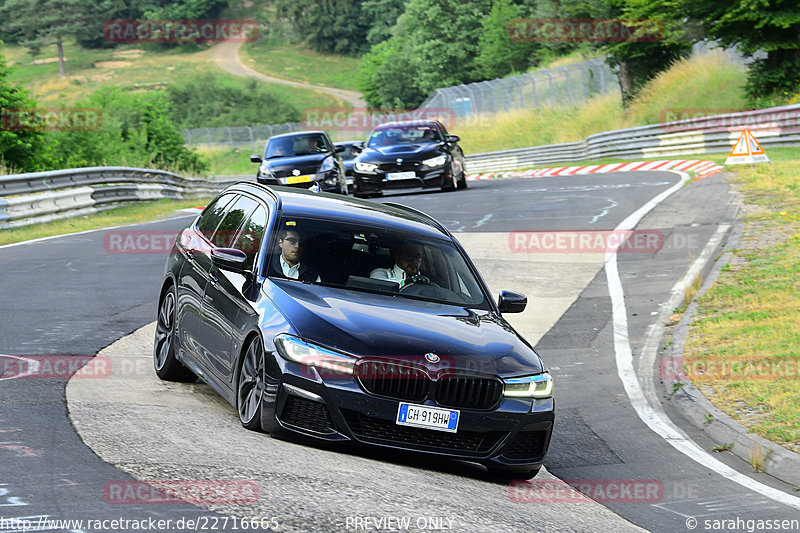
(201, 523)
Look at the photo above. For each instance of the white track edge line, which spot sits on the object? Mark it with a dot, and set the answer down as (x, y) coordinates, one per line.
(652, 415)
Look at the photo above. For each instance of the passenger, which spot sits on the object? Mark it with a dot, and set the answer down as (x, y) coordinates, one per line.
(407, 261)
(287, 264)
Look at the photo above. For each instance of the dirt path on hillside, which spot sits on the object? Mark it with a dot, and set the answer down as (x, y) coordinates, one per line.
(226, 55)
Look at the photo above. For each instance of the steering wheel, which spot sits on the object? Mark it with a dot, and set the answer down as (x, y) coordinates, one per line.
(420, 285)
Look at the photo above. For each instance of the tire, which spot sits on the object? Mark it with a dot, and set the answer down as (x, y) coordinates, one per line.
(462, 181)
(451, 185)
(250, 385)
(165, 363)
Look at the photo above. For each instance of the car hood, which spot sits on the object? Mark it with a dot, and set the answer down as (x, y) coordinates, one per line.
(405, 151)
(365, 324)
(303, 163)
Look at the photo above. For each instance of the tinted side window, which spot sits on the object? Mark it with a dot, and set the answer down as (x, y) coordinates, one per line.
(213, 215)
(249, 238)
(234, 216)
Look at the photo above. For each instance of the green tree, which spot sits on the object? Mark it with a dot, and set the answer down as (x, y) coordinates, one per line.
(339, 27)
(40, 23)
(20, 149)
(771, 26)
(208, 101)
(433, 45)
(498, 55)
(137, 130)
(659, 38)
(384, 15)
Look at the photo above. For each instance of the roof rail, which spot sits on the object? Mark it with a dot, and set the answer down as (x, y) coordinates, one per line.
(435, 222)
(265, 188)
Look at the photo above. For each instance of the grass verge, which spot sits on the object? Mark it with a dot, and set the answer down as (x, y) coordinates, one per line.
(702, 85)
(118, 216)
(743, 349)
(295, 62)
(137, 68)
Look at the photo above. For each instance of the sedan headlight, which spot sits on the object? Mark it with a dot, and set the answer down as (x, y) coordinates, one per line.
(365, 167)
(538, 386)
(306, 353)
(437, 161)
(264, 170)
(327, 164)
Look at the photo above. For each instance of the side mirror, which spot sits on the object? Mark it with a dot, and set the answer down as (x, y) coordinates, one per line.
(453, 138)
(255, 158)
(229, 259)
(512, 302)
(339, 149)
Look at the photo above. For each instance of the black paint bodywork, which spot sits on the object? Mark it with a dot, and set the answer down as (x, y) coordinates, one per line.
(219, 312)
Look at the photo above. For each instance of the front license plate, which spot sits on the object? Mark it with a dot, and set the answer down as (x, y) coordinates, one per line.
(422, 416)
(299, 179)
(410, 175)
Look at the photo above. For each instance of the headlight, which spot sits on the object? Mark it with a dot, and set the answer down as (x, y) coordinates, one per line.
(365, 167)
(538, 386)
(264, 170)
(305, 353)
(327, 164)
(437, 161)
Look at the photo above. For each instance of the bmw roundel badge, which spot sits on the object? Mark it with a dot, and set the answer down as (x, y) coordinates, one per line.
(431, 357)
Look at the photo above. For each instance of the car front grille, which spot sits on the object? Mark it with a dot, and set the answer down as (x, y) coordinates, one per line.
(384, 378)
(413, 384)
(306, 414)
(526, 445)
(381, 431)
(468, 392)
(399, 167)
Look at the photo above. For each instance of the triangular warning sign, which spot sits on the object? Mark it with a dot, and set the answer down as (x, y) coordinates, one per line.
(746, 150)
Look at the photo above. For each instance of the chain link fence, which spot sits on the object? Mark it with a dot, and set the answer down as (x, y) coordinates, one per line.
(567, 85)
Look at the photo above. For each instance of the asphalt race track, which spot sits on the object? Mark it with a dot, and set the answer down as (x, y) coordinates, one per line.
(75, 296)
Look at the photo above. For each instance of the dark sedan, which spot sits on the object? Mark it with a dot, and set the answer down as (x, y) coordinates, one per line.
(301, 160)
(403, 155)
(351, 321)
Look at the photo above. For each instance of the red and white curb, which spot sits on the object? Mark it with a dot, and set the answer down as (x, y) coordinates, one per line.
(702, 169)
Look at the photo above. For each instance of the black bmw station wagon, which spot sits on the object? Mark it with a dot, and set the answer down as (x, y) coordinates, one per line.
(348, 320)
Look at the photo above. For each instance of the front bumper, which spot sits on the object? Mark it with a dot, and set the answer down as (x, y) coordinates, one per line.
(515, 434)
(423, 178)
(328, 181)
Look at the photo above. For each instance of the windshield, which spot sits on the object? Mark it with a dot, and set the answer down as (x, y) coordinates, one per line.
(304, 144)
(409, 134)
(382, 261)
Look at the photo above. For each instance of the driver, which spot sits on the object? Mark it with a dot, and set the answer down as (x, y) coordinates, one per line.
(407, 261)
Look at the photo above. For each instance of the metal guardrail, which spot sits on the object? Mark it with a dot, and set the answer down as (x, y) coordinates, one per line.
(44, 196)
(777, 126)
